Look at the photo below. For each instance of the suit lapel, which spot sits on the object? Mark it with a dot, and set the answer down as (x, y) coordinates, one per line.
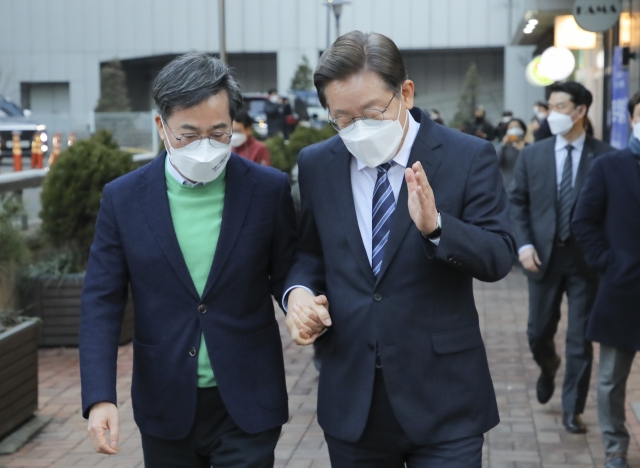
(583, 168)
(154, 198)
(422, 150)
(339, 168)
(549, 176)
(237, 199)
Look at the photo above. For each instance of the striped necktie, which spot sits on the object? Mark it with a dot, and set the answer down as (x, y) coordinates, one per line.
(384, 204)
(565, 198)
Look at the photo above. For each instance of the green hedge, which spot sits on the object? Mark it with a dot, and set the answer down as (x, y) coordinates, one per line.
(72, 190)
(284, 155)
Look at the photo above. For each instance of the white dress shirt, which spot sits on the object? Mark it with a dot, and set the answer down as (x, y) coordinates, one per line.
(561, 157)
(363, 181)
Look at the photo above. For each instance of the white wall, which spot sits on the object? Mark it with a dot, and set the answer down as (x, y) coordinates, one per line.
(65, 40)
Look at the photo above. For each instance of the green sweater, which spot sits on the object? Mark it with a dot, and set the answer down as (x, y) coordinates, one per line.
(196, 212)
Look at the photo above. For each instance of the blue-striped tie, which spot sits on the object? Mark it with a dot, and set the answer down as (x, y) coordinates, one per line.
(384, 204)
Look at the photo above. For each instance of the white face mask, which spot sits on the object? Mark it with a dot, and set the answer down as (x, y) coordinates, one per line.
(238, 139)
(203, 163)
(559, 123)
(515, 132)
(374, 145)
(274, 99)
(541, 115)
(636, 130)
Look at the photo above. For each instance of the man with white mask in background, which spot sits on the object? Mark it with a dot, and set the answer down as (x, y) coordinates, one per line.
(548, 178)
(204, 239)
(398, 215)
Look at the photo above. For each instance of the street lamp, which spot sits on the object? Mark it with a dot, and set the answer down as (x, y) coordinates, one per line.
(336, 5)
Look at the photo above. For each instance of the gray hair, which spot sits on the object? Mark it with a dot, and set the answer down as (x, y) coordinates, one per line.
(192, 78)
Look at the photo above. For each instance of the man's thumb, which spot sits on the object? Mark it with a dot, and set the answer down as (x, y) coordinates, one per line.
(113, 434)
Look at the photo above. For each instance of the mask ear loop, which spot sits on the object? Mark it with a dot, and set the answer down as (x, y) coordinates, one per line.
(167, 141)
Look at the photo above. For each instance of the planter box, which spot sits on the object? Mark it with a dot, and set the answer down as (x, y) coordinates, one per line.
(57, 304)
(18, 375)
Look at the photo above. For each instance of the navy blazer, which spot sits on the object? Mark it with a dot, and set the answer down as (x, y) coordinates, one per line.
(420, 309)
(607, 226)
(135, 243)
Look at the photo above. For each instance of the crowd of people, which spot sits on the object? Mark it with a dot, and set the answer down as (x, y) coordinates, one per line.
(398, 216)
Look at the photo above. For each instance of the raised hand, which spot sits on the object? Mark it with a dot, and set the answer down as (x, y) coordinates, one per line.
(422, 202)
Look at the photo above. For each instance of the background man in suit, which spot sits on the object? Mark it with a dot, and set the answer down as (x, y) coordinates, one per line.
(607, 227)
(404, 376)
(191, 233)
(548, 178)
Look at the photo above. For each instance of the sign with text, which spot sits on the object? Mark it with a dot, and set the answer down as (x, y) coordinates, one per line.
(597, 15)
(619, 100)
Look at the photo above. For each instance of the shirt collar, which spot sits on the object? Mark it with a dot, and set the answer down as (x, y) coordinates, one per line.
(179, 177)
(578, 144)
(402, 158)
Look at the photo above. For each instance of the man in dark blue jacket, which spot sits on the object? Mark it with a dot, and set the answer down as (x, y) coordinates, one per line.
(404, 379)
(606, 224)
(203, 238)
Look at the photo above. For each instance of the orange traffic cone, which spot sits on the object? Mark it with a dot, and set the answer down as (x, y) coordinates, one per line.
(57, 139)
(36, 152)
(17, 152)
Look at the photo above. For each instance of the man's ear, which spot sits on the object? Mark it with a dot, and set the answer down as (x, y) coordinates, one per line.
(408, 92)
(158, 120)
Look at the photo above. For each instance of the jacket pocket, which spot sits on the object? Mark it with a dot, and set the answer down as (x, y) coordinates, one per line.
(455, 341)
(146, 385)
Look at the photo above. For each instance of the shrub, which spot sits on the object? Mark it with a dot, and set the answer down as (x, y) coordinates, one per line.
(72, 191)
(285, 155)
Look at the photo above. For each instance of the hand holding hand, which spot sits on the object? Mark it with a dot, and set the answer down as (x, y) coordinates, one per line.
(307, 316)
(422, 202)
(104, 417)
(530, 260)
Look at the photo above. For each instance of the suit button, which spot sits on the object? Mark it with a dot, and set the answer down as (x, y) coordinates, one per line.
(377, 297)
(371, 346)
(193, 352)
(202, 308)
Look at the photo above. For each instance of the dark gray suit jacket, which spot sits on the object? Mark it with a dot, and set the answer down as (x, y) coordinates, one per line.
(533, 194)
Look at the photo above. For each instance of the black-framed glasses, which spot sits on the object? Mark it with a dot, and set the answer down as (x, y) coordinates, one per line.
(192, 140)
(372, 117)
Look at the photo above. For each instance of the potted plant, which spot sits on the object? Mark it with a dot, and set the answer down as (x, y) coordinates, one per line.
(18, 334)
(70, 202)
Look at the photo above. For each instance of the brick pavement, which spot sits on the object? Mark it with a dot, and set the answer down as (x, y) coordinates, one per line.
(530, 435)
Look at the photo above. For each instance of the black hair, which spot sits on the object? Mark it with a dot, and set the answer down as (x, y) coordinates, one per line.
(242, 117)
(192, 78)
(355, 52)
(580, 95)
(521, 124)
(633, 102)
(272, 91)
(542, 104)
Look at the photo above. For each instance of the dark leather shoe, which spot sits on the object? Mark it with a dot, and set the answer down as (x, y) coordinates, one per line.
(616, 461)
(546, 383)
(573, 423)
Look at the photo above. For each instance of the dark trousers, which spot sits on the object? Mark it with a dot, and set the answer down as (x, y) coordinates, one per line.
(214, 441)
(613, 372)
(384, 443)
(545, 297)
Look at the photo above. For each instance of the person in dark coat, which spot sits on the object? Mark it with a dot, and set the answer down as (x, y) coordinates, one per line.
(606, 225)
(275, 111)
(512, 144)
(503, 123)
(547, 180)
(541, 128)
(479, 126)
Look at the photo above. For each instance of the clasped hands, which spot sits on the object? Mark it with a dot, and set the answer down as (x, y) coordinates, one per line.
(307, 316)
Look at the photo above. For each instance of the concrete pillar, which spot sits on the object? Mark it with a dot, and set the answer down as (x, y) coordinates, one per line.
(519, 95)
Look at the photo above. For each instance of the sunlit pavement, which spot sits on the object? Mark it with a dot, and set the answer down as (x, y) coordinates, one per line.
(530, 435)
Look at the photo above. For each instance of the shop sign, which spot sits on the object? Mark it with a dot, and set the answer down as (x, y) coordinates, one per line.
(619, 100)
(597, 15)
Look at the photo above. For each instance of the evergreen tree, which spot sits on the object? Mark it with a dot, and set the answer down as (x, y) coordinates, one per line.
(303, 78)
(468, 98)
(113, 89)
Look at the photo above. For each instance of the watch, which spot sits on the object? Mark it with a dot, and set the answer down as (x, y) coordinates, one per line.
(438, 230)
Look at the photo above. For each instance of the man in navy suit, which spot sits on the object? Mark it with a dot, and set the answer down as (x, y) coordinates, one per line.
(606, 225)
(203, 238)
(404, 379)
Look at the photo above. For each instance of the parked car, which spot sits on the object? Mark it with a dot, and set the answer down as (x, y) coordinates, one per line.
(254, 104)
(14, 119)
(308, 102)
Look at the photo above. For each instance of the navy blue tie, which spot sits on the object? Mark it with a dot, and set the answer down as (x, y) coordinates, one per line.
(384, 204)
